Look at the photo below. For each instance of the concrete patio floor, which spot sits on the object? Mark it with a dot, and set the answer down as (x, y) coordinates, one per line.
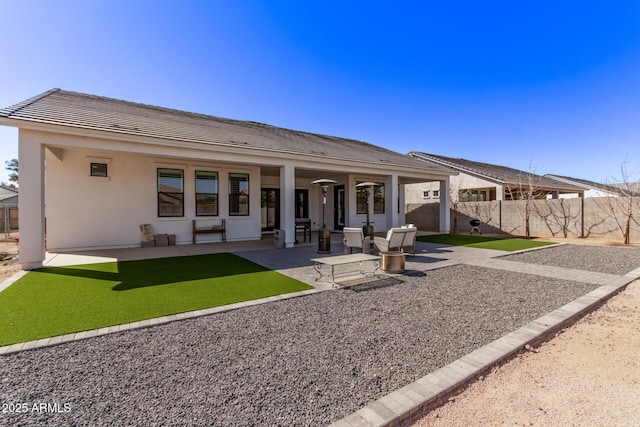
(293, 262)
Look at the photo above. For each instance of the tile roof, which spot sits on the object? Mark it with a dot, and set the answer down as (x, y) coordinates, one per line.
(4, 197)
(620, 189)
(499, 174)
(8, 190)
(84, 111)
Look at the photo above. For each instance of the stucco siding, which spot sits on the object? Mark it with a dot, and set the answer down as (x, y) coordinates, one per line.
(84, 211)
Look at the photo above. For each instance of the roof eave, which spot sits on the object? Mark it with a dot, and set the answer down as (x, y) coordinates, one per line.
(127, 136)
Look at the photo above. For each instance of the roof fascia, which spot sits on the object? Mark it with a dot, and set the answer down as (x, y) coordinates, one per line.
(603, 188)
(571, 182)
(460, 169)
(281, 156)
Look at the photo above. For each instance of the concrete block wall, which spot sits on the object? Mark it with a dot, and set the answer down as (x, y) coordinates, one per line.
(549, 218)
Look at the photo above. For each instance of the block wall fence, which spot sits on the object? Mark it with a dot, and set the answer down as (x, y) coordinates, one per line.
(588, 218)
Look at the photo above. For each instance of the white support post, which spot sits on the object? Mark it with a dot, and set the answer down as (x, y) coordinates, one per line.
(391, 190)
(287, 204)
(445, 212)
(31, 202)
(402, 216)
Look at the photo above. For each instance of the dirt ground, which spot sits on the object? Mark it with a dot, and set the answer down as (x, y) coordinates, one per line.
(588, 375)
(11, 266)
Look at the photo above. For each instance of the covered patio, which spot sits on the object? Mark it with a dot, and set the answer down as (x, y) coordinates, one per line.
(93, 169)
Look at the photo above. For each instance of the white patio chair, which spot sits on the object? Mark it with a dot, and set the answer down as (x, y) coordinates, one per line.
(398, 240)
(354, 240)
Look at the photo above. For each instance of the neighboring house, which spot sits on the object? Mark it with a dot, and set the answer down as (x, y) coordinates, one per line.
(8, 196)
(478, 181)
(112, 165)
(8, 210)
(590, 188)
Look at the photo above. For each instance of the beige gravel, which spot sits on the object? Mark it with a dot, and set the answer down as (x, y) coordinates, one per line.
(588, 375)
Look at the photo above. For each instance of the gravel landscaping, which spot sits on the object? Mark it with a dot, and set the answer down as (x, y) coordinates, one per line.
(603, 259)
(304, 361)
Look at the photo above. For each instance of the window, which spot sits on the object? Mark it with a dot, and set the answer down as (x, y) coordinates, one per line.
(302, 203)
(425, 194)
(378, 199)
(170, 192)
(361, 200)
(472, 195)
(206, 193)
(98, 169)
(238, 194)
(436, 193)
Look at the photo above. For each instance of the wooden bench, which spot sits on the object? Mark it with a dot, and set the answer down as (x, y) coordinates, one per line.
(210, 229)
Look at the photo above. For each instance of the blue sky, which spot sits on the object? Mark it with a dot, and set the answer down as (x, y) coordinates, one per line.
(547, 86)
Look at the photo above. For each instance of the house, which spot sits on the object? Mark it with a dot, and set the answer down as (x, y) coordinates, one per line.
(478, 181)
(591, 188)
(8, 210)
(96, 168)
(8, 196)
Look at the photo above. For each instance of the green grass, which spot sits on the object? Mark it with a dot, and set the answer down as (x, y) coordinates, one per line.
(60, 300)
(473, 241)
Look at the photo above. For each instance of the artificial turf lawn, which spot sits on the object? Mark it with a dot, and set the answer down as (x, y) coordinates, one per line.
(60, 300)
(482, 242)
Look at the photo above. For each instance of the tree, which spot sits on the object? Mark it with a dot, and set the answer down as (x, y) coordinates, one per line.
(526, 189)
(557, 215)
(12, 166)
(454, 202)
(623, 209)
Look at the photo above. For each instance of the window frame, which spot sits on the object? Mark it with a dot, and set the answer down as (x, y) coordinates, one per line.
(106, 169)
(215, 195)
(379, 192)
(241, 194)
(375, 193)
(169, 194)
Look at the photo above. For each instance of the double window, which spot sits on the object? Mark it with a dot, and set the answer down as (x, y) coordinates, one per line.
(378, 199)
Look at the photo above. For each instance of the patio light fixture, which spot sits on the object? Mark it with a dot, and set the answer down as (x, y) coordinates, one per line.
(324, 237)
(367, 186)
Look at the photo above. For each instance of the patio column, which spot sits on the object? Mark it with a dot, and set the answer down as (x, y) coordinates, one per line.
(31, 202)
(445, 214)
(402, 216)
(392, 196)
(287, 204)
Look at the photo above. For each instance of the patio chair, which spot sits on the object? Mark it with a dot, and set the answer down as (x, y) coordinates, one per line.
(353, 239)
(398, 240)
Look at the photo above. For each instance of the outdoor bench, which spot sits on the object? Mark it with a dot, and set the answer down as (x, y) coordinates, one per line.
(210, 229)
